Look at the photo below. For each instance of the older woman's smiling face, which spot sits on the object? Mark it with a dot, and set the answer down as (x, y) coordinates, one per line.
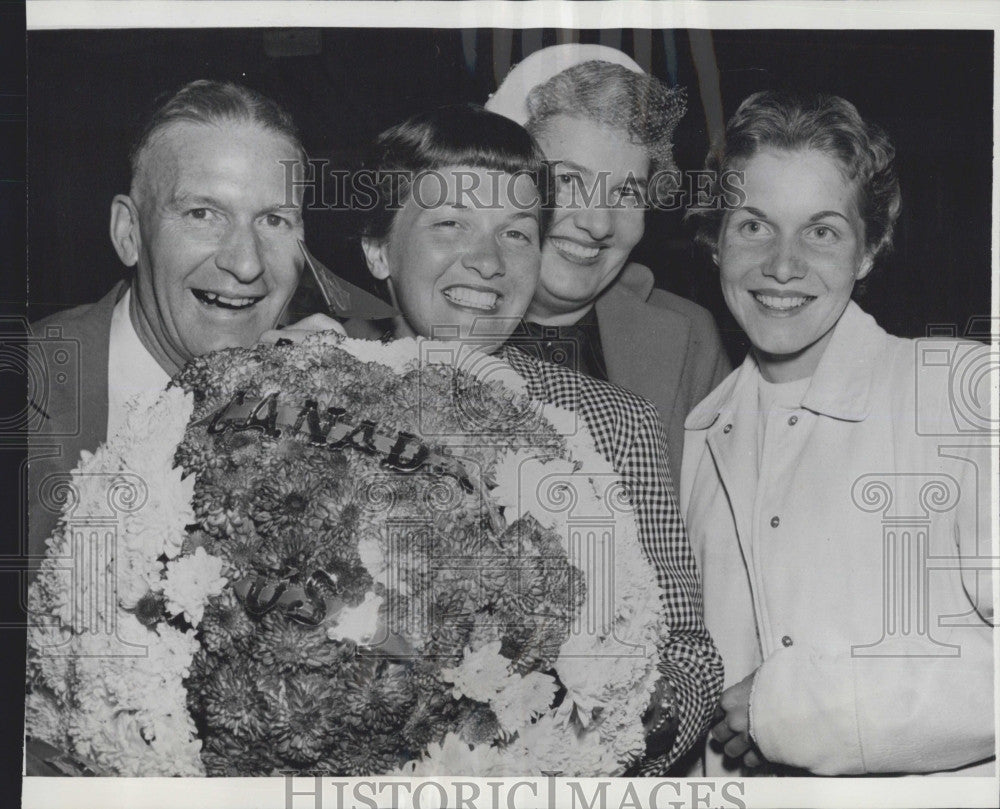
(599, 218)
(463, 254)
(789, 257)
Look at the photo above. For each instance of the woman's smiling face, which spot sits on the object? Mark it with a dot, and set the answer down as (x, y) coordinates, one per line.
(463, 254)
(599, 218)
(789, 257)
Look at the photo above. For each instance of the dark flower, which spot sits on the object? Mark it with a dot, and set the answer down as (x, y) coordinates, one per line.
(375, 694)
(232, 701)
(285, 646)
(220, 509)
(149, 609)
(232, 757)
(225, 622)
(360, 754)
(280, 503)
(302, 719)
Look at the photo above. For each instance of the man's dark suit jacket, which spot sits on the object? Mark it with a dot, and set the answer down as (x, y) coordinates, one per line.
(75, 411)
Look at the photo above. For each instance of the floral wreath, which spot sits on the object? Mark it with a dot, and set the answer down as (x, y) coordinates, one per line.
(349, 557)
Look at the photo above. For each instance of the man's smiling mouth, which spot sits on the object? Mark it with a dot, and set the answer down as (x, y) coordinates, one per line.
(479, 299)
(222, 302)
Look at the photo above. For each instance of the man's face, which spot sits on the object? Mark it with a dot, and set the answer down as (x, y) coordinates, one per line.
(217, 241)
(600, 184)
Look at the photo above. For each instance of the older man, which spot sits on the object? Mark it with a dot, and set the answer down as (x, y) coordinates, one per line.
(213, 238)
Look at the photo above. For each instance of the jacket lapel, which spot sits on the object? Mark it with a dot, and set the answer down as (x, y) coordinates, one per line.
(643, 344)
(729, 418)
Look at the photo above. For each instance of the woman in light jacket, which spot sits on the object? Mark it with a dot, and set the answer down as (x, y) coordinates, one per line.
(836, 486)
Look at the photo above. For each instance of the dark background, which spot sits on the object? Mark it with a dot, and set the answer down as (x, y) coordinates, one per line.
(931, 90)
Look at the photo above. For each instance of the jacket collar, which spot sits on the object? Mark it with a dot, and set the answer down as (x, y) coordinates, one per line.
(645, 346)
(841, 387)
(635, 278)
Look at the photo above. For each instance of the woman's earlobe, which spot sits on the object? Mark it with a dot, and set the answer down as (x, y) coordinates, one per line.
(376, 257)
(865, 267)
(124, 229)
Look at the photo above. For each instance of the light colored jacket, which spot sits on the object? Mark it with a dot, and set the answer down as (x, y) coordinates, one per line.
(845, 568)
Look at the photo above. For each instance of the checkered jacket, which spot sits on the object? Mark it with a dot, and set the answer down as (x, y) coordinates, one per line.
(628, 433)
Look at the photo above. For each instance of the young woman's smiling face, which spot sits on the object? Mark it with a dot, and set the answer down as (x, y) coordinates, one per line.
(463, 254)
(789, 257)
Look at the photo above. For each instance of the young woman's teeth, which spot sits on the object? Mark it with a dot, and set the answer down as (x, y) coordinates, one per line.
(574, 250)
(781, 304)
(473, 298)
(224, 302)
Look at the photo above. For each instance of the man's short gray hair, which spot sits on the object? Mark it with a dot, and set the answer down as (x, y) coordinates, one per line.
(215, 102)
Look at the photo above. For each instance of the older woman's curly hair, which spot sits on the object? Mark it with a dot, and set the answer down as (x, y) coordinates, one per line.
(645, 108)
(791, 122)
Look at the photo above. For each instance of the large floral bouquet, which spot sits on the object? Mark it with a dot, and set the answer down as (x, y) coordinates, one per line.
(349, 557)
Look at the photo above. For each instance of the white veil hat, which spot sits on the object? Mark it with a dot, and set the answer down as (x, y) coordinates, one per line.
(511, 96)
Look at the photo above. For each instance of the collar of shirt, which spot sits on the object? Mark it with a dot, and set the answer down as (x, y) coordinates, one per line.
(841, 386)
(131, 368)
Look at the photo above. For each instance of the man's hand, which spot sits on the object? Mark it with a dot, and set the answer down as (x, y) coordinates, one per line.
(732, 730)
(299, 331)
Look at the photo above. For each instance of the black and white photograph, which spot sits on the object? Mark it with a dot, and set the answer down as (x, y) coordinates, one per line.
(505, 404)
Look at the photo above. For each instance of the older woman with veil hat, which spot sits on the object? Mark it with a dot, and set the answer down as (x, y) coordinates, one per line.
(610, 127)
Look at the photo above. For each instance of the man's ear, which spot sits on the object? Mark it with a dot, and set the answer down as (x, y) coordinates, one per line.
(125, 229)
(377, 256)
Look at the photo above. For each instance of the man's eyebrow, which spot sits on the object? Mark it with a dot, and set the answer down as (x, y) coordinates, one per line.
(753, 211)
(183, 199)
(186, 200)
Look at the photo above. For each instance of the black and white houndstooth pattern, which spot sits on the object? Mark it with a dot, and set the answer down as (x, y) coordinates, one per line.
(627, 431)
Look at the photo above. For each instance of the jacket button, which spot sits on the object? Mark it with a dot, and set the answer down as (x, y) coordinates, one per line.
(786, 641)
(793, 420)
(727, 428)
(775, 522)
